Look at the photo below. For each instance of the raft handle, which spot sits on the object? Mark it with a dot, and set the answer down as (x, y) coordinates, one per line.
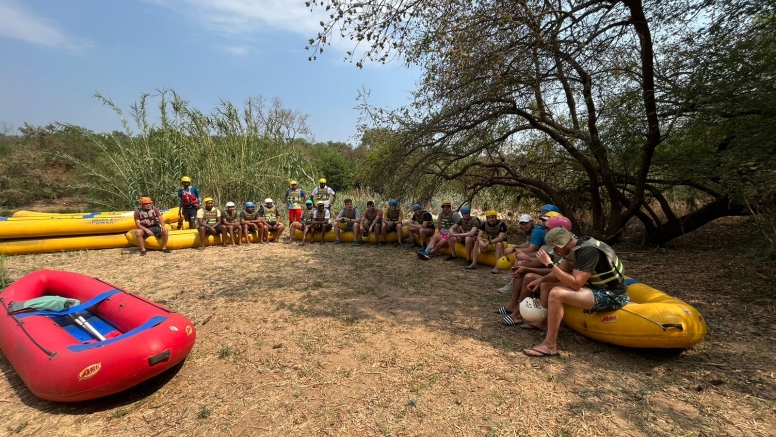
(156, 359)
(672, 325)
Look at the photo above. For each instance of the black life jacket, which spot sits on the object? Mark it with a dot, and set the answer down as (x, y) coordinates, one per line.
(233, 218)
(307, 216)
(493, 231)
(612, 276)
(392, 216)
(467, 225)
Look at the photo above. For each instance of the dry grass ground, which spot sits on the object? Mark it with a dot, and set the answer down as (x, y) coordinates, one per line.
(336, 340)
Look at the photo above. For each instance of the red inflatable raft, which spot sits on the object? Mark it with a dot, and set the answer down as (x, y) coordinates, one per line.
(61, 359)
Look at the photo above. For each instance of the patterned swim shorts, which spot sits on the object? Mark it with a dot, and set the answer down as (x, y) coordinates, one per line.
(606, 300)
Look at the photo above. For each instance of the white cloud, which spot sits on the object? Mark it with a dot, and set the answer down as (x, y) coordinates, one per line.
(241, 50)
(19, 23)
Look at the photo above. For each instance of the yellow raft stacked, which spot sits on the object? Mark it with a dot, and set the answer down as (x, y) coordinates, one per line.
(32, 232)
(184, 239)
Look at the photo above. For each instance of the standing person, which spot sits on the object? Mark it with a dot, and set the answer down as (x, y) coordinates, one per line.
(464, 231)
(188, 201)
(321, 219)
(491, 237)
(371, 221)
(349, 220)
(392, 221)
(149, 222)
(323, 193)
(251, 222)
(422, 225)
(209, 219)
(446, 219)
(596, 283)
(230, 223)
(304, 224)
(295, 197)
(271, 220)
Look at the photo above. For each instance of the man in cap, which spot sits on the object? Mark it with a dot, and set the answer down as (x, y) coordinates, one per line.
(230, 223)
(251, 222)
(321, 219)
(270, 217)
(392, 221)
(209, 219)
(349, 219)
(188, 201)
(149, 223)
(325, 193)
(304, 224)
(464, 231)
(446, 219)
(421, 225)
(295, 197)
(590, 276)
(492, 236)
(525, 253)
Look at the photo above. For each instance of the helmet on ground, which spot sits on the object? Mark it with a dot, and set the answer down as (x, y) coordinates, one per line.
(555, 222)
(229, 204)
(393, 202)
(267, 200)
(145, 200)
(416, 207)
(531, 310)
(207, 199)
(249, 205)
(548, 207)
(505, 262)
(466, 210)
(185, 179)
(491, 213)
(308, 202)
(446, 202)
(292, 183)
(321, 181)
(320, 203)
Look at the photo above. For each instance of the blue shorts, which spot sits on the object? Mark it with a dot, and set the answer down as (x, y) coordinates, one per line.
(606, 300)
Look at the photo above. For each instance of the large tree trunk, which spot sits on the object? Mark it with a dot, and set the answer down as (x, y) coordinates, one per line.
(674, 228)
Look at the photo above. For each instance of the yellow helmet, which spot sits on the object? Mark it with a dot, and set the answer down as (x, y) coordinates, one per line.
(491, 213)
(185, 179)
(446, 202)
(321, 181)
(552, 214)
(207, 199)
(292, 183)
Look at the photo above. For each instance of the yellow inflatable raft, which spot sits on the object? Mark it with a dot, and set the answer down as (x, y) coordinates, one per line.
(35, 214)
(63, 244)
(485, 258)
(87, 225)
(184, 239)
(349, 236)
(652, 319)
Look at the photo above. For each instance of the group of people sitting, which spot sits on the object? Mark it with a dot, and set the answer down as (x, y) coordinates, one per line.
(554, 263)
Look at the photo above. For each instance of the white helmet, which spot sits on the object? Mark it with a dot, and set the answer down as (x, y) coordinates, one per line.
(531, 310)
(268, 200)
(229, 204)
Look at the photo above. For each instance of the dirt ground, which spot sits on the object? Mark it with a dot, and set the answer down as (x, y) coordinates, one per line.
(336, 340)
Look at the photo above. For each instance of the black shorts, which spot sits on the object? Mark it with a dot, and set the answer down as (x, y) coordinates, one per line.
(252, 227)
(157, 231)
(190, 213)
(327, 226)
(211, 231)
(273, 226)
(391, 225)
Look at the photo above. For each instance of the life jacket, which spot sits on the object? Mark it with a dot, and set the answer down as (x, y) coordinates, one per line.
(210, 217)
(294, 198)
(392, 216)
(322, 194)
(493, 231)
(349, 214)
(321, 218)
(307, 216)
(234, 218)
(148, 218)
(370, 216)
(445, 220)
(418, 218)
(188, 198)
(251, 215)
(467, 225)
(270, 214)
(614, 273)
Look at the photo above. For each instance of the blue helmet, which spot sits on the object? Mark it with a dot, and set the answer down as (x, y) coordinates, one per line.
(547, 208)
(393, 202)
(416, 207)
(466, 210)
(249, 205)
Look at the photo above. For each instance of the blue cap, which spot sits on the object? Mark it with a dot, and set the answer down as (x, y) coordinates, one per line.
(416, 207)
(249, 205)
(547, 208)
(393, 202)
(466, 210)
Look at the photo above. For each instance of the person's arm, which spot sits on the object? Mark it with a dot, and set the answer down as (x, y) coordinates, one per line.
(577, 278)
(333, 195)
(201, 217)
(304, 196)
(500, 237)
(286, 198)
(140, 226)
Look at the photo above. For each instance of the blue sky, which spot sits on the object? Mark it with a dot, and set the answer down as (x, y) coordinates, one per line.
(54, 55)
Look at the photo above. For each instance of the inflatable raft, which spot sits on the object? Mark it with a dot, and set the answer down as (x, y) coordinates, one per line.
(652, 319)
(485, 258)
(61, 359)
(349, 236)
(184, 239)
(63, 244)
(31, 214)
(60, 227)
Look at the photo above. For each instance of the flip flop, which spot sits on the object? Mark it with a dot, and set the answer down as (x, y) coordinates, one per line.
(503, 311)
(541, 354)
(531, 327)
(508, 321)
